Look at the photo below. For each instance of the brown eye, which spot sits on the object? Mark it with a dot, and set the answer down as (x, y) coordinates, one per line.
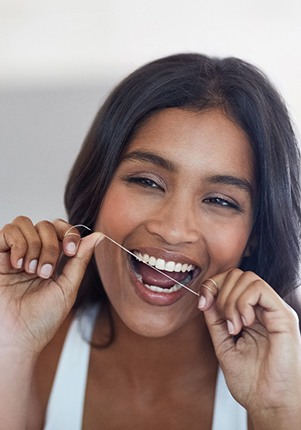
(145, 182)
(221, 202)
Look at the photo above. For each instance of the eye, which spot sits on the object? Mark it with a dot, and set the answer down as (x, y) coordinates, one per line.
(222, 202)
(144, 182)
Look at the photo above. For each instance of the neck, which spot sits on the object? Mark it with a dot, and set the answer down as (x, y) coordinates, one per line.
(184, 355)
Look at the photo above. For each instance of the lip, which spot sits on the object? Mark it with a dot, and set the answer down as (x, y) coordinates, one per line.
(157, 298)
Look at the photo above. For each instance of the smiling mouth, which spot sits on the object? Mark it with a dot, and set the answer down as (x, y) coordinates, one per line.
(161, 276)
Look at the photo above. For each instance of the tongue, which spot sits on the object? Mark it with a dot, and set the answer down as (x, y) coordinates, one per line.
(152, 277)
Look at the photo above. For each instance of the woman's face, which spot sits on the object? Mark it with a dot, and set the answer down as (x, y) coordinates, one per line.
(182, 199)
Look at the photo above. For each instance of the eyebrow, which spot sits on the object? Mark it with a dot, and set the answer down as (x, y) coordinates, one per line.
(150, 157)
(157, 160)
(234, 181)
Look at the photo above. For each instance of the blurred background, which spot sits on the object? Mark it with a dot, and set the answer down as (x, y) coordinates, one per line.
(60, 58)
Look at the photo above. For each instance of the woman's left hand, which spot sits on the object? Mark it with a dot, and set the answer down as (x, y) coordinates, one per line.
(257, 342)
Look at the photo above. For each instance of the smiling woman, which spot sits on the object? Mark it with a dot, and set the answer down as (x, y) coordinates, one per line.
(193, 167)
(166, 202)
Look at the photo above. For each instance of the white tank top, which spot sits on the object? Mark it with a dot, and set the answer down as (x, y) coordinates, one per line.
(67, 397)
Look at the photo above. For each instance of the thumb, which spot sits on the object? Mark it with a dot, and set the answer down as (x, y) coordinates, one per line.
(73, 272)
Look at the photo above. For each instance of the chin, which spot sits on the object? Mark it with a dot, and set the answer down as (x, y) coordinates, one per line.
(155, 325)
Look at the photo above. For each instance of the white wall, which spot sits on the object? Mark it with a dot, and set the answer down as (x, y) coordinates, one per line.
(59, 58)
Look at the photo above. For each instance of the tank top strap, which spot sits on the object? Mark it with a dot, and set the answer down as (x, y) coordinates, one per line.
(228, 414)
(66, 403)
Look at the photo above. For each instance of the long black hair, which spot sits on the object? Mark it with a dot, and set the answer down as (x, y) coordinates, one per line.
(194, 81)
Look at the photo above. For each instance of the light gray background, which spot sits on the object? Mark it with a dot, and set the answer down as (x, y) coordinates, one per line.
(59, 58)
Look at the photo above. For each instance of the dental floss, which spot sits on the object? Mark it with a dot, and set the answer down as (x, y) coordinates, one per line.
(131, 253)
(153, 267)
(75, 226)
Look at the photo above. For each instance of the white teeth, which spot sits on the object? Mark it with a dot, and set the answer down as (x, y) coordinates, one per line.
(163, 290)
(160, 264)
(169, 266)
(184, 267)
(170, 290)
(138, 276)
(152, 261)
(178, 267)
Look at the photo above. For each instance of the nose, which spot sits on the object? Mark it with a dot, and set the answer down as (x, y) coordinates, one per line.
(175, 222)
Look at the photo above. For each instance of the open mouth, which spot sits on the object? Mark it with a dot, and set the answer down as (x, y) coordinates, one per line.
(167, 280)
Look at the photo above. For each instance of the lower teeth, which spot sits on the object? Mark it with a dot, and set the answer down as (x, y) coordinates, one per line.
(176, 287)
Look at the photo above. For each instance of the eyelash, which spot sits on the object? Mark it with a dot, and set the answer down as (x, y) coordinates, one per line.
(150, 183)
(144, 182)
(219, 201)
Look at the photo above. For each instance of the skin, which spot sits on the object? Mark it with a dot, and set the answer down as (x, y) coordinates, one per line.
(173, 210)
(166, 353)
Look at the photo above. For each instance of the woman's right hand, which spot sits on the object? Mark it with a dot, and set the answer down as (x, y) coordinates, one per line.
(33, 301)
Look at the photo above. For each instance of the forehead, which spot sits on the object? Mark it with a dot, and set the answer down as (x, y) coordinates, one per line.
(201, 140)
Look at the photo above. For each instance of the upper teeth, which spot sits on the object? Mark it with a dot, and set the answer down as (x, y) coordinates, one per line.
(159, 263)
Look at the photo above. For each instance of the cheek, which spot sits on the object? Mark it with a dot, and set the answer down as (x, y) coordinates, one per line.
(119, 214)
(227, 247)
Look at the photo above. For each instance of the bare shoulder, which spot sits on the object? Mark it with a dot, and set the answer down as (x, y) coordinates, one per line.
(43, 377)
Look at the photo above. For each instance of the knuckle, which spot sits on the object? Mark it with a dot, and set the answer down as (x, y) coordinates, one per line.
(45, 224)
(233, 273)
(292, 315)
(21, 219)
(8, 229)
(60, 221)
(13, 236)
(258, 284)
(249, 274)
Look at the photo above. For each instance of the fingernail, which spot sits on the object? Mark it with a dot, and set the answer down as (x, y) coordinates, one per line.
(202, 302)
(230, 327)
(71, 248)
(20, 263)
(33, 266)
(244, 321)
(46, 270)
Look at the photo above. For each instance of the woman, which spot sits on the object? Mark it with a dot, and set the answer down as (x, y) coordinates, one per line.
(191, 165)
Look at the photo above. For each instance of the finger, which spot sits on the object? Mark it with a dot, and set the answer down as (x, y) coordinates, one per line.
(222, 340)
(23, 241)
(13, 241)
(74, 269)
(208, 291)
(260, 302)
(244, 297)
(211, 288)
(33, 243)
(220, 290)
(235, 283)
(50, 249)
(219, 327)
(69, 235)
